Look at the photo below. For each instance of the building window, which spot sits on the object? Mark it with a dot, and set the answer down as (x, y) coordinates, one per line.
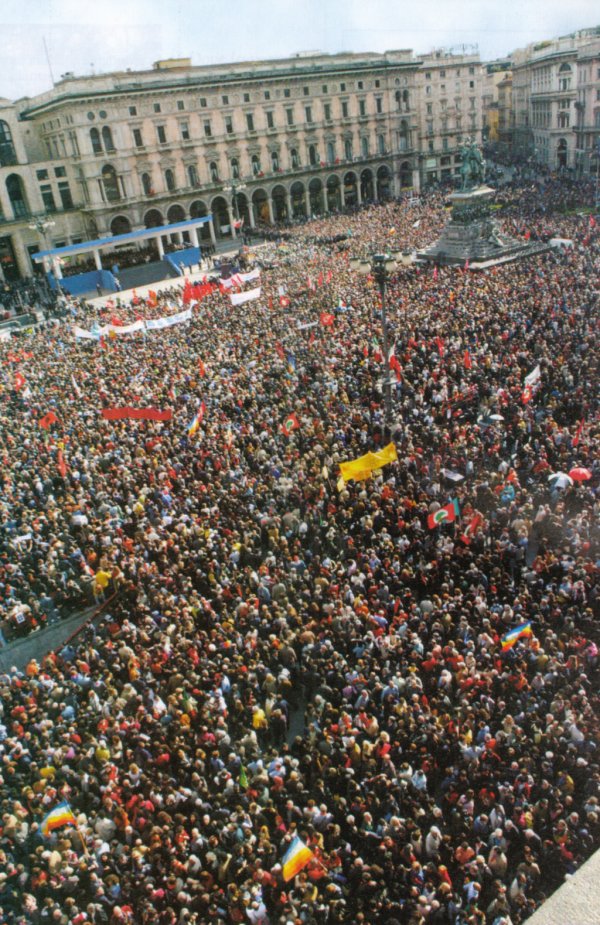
(306, 91)
(180, 105)
(364, 146)
(428, 91)
(327, 111)
(107, 139)
(270, 122)
(41, 174)
(214, 172)
(342, 88)
(289, 115)
(324, 88)
(313, 157)
(184, 130)
(156, 107)
(137, 138)
(202, 102)
(267, 94)
(228, 125)
(95, 139)
(295, 158)
(207, 129)
(193, 177)
(64, 192)
(111, 183)
(170, 180)
(360, 85)
(308, 113)
(133, 110)
(381, 144)
(250, 121)
(429, 109)
(330, 152)
(161, 134)
(255, 165)
(225, 100)
(471, 70)
(147, 185)
(246, 97)
(362, 108)
(48, 197)
(348, 149)
(442, 73)
(378, 104)
(344, 109)
(564, 77)
(16, 194)
(235, 168)
(274, 161)
(377, 84)
(286, 93)
(430, 147)
(427, 76)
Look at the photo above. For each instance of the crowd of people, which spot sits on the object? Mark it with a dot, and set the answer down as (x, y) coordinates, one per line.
(283, 654)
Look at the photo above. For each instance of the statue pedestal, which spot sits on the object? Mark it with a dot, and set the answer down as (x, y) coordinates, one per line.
(473, 235)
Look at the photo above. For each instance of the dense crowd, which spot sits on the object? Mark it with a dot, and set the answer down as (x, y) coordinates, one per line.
(281, 654)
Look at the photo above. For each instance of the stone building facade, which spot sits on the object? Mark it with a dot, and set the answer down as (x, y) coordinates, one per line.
(260, 142)
(548, 91)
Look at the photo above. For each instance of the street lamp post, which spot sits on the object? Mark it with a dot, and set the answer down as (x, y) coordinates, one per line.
(381, 267)
(234, 189)
(42, 224)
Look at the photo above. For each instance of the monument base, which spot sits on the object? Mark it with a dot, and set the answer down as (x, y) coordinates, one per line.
(472, 235)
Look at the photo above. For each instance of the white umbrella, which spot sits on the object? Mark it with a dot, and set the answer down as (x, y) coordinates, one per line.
(560, 480)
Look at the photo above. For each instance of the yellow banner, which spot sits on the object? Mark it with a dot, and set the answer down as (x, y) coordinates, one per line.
(363, 467)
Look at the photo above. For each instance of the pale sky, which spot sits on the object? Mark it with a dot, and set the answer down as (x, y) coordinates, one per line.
(96, 36)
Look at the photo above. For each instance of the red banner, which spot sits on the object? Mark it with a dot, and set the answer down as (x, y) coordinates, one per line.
(140, 414)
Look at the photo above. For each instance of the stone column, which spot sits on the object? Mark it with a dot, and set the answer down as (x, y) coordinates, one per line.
(211, 228)
(271, 216)
(231, 221)
(194, 237)
(97, 259)
(160, 248)
(288, 203)
(251, 214)
(21, 255)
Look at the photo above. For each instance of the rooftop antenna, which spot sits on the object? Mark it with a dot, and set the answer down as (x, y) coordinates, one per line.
(48, 59)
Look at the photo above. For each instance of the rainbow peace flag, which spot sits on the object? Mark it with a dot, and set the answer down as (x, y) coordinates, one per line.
(508, 641)
(56, 818)
(296, 857)
(198, 418)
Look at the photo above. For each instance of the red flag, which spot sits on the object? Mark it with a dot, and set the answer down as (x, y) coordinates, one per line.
(327, 319)
(102, 342)
(435, 272)
(527, 395)
(467, 363)
(201, 368)
(187, 292)
(61, 464)
(19, 381)
(284, 301)
(329, 276)
(592, 222)
(320, 280)
(527, 235)
(472, 528)
(135, 298)
(280, 351)
(578, 433)
(513, 478)
(48, 419)
(444, 515)
(440, 345)
(466, 266)
(270, 301)
(291, 423)
(152, 298)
